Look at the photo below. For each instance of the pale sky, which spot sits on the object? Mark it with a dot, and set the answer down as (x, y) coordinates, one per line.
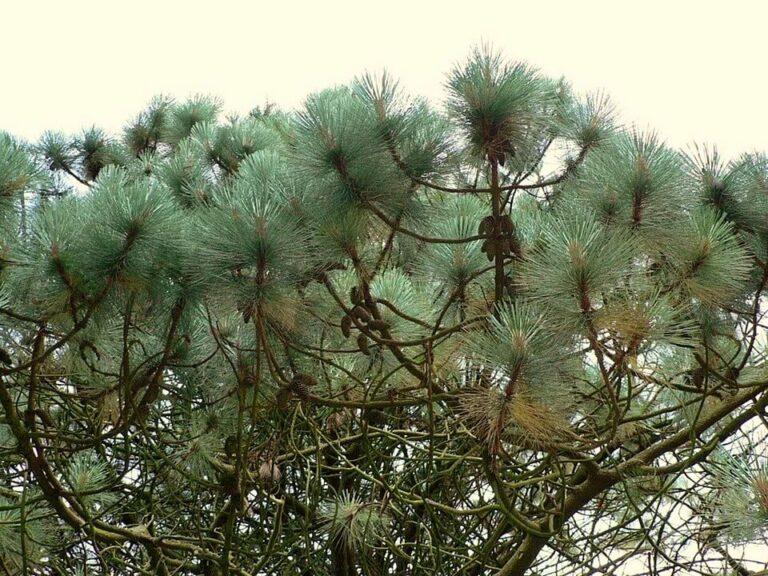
(693, 70)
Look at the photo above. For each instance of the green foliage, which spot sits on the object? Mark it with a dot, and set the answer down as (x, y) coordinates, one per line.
(498, 105)
(95, 151)
(24, 536)
(91, 481)
(354, 522)
(148, 129)
(569, 269)
(741, 498)
(708, 263)
(530, 388)
(635, 183)
(182, 118)
(378, 336)
(56, 150)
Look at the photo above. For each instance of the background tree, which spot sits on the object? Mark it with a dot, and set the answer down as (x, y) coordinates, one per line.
(373, 337)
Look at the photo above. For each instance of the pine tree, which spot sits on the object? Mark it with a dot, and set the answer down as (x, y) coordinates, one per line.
(505, 335)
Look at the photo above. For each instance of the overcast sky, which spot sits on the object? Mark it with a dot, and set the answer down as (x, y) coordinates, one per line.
(693, 70)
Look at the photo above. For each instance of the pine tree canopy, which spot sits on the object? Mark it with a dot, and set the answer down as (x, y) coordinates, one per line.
(502, 334)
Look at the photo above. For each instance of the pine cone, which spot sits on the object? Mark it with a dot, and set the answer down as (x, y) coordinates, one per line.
(269, 473)
(362, 343)
(230, 445)
(336, 422)
(301, 385)
(506, 225)
(355, 295)
(249, 380)
(378, 325)
(283, 397)
(346, 326)
(486, 225)
(361, 314)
